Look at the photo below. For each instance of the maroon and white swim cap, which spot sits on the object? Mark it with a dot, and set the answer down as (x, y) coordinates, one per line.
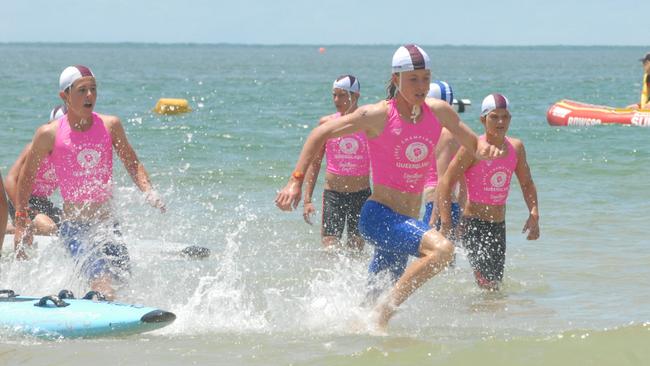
(410, 57)
(492, 102)
(72, 74)
(348, 83)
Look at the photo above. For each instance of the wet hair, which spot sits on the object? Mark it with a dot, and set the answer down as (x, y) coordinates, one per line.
(391, 89)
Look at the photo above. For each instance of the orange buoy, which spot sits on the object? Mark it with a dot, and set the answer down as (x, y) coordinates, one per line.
(321, 50)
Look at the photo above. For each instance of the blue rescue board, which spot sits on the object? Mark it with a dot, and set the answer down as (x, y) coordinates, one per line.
(50, 317)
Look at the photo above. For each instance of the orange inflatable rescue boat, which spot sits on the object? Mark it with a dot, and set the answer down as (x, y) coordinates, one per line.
(571, 113)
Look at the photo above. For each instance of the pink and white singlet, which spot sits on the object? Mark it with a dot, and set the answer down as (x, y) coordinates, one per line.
(488, 181)
(402, 154)
(83, 162)
(348, 155)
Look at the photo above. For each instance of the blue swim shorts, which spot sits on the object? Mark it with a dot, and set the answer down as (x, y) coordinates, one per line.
(394, 236)
(391, 231)
(455, 214)
(97, 249)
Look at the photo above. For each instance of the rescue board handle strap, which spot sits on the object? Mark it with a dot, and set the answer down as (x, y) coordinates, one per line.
(7, 293)
(55, 300)
(91, 295)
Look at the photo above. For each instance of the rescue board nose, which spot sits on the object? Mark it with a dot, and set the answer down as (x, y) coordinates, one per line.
(158, 316)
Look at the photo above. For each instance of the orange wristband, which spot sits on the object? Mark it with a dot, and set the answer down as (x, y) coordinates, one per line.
(22, 214)
(298, 175)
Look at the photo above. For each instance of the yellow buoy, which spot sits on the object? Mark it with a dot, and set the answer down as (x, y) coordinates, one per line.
(172, 106)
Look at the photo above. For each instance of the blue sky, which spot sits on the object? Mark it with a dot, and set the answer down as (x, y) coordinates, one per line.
(323, 22)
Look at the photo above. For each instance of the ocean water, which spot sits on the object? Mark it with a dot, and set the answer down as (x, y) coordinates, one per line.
(269, 295)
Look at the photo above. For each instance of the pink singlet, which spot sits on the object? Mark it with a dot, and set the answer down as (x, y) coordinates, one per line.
(402, 154)
(348, 155)
(83, 162)
(488, 181)
(45, 182)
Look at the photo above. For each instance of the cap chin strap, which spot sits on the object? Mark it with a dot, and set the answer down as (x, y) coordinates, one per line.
(350, 102)
(416, 110)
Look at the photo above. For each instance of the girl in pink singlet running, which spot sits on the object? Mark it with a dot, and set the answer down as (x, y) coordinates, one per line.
(402, 132)
(488, 182)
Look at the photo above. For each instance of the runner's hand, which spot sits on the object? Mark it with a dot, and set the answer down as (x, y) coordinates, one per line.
(289, 197)
(486, 151)
(308, 211)
(23, 235)
(532, 227)
(153, 198)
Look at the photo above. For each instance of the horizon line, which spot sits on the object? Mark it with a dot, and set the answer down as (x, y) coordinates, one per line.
(300, 44)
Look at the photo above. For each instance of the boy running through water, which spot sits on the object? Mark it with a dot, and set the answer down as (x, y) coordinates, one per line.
(80, 145)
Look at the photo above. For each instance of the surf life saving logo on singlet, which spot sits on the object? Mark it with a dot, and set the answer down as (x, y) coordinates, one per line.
(414, 156)
(496, 181)
(348, 155)
(349, 145)
(416, 152)
(88, 158)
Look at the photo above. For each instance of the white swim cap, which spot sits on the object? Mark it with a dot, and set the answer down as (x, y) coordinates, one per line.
(58, 112)
(347, 82)
(441, 90)
(492, 102)
(72, 74)
(410, 57)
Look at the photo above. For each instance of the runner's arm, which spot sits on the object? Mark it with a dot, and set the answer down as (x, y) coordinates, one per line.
(463, 160)
(11, 181)
(529, 190)
(133, 166)
(461, 132)
(369, 119)
(311, 178)
(41, 145)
